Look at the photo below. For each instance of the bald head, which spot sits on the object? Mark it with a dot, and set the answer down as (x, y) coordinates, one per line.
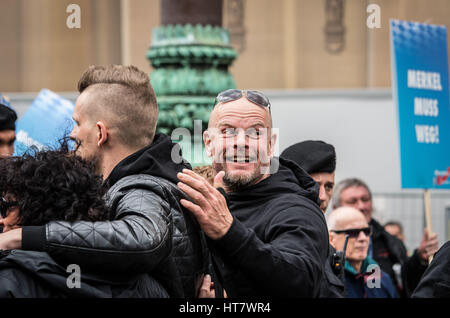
(241, 106)
(344, 217)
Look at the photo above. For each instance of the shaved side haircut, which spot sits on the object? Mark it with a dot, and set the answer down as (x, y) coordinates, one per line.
(125, 99)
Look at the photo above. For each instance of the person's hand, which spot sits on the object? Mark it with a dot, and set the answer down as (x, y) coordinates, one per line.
(11, 240)
(209, 207)
(207, 288)
(428, 246)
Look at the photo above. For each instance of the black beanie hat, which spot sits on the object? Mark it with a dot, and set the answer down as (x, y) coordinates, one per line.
(8, 117)
(313, 156)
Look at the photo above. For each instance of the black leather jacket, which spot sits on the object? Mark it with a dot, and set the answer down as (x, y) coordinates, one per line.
(151, 232)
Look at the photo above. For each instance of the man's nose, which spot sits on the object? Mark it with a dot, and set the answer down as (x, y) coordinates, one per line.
(322, 193)
(72, 135)
(240, 141)
(241, 137)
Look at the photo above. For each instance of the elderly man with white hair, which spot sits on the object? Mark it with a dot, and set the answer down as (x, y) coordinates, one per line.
(363, 276)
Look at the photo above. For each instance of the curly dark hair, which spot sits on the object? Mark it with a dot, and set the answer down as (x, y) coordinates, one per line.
(52, 185)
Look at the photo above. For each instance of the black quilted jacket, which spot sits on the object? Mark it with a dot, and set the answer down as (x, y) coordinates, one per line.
(150, 233)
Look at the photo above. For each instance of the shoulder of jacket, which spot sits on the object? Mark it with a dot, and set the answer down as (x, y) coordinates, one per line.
(141, 178)
(158, 185)
(302, 212)
(308, 209)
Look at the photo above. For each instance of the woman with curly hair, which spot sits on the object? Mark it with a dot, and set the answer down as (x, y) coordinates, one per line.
(56, 185)
(51, 185)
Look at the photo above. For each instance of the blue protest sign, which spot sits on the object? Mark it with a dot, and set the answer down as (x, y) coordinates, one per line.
(47, 120)
(420, 84)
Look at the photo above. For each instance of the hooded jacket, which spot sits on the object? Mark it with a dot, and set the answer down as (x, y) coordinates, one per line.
(278, 241)
(29, 274)
(151, 232)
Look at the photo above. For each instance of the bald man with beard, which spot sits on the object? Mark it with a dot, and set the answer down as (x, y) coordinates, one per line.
(271, 238)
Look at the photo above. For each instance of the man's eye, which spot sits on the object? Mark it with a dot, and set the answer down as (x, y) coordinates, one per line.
(228, 131)
(254, 132)
(328, 187)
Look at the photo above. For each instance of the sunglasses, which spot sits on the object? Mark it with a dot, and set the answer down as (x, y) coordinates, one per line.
(352, 233)
(4, 206)
(255, 97)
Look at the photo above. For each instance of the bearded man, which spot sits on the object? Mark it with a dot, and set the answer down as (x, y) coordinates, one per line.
(271, 239)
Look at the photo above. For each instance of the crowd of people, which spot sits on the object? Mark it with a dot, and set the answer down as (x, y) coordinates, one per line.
(139, 224)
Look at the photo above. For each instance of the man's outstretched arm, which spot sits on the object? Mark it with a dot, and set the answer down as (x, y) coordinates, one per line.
(136, 241)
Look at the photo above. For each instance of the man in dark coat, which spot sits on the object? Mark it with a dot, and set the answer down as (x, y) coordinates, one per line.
(435, 282)
(318, 159)
(363, 276)
(387, 250)
(115, 121)
(271, 239)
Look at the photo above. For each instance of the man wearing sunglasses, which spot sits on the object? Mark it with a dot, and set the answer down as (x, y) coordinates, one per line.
(387, 250)
(271, 238)
(363, 276)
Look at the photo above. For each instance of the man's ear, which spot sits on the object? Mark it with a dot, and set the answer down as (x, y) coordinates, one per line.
(207, 142)
(331, 237)
(102, 134)
(273, 141)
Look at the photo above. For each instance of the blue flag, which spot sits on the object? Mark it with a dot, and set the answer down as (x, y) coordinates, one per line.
(46, 122)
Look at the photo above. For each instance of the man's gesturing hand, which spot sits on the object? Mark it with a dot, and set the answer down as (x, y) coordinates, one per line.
(209, 207)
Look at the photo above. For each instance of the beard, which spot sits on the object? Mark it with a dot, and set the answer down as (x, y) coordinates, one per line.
(95, 159)
(235, 183)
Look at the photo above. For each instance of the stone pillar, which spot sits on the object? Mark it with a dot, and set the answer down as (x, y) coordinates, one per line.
(190, 53)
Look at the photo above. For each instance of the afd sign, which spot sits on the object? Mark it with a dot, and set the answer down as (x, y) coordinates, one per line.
(420, 84)
(45, 123)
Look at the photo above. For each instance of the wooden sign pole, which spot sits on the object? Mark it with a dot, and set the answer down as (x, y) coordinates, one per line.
(428, 216)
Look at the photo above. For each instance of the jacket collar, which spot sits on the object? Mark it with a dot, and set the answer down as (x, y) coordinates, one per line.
(366, 262)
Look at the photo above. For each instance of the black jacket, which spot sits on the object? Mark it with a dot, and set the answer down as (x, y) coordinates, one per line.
(435, 282)
(29, 274)
(277, 244)
(151, 232)
(389, 250)
(333, 279)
